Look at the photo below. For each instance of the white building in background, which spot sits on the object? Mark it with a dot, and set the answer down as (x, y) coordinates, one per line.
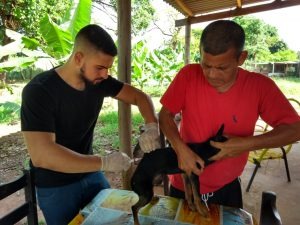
(280, 69)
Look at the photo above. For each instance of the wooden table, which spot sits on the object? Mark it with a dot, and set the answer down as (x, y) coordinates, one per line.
(113, 206)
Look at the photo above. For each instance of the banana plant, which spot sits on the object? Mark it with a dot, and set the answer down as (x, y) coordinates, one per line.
(27, 57)
(58, 40)
(165, 63)
(140, 64)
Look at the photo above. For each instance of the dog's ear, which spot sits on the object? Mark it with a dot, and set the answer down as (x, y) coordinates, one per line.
(219, 136)
(220, 131)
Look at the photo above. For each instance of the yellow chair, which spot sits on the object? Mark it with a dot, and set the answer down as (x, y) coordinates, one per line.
(256, 157)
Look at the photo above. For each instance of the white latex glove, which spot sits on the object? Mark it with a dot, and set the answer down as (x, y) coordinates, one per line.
(149, 139)
(115, 162)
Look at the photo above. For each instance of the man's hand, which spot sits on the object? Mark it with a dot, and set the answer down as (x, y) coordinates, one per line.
(149, 139)
(234, 146)
(115, 162)
(189, 161)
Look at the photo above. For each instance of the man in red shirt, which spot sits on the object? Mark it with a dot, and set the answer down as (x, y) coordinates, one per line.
(218, 91)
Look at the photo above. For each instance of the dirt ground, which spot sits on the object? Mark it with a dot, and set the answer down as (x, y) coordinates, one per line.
(13, 155)
(270, 177)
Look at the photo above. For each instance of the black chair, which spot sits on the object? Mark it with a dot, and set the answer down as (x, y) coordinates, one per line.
(28, 208)
(269, 214)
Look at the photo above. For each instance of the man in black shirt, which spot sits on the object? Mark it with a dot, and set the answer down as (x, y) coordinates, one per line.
(59, 111)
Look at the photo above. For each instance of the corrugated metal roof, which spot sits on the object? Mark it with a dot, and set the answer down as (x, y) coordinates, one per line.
(207, 6)
(216, 9)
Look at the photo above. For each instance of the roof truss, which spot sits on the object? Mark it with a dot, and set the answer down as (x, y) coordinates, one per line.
(197, 11)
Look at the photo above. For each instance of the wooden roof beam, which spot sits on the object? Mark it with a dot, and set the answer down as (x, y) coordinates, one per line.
(276, 4)
(184, 8)
(239, 3)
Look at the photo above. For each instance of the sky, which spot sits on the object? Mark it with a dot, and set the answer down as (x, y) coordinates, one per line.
(286, 20)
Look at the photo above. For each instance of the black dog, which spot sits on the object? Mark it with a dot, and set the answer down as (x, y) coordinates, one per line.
(164, 161)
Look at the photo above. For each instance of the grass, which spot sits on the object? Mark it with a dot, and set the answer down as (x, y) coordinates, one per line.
(290, 86)
(106, 131)
(106, 136)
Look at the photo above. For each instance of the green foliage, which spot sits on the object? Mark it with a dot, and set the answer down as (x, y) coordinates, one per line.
(3, 85)
(149, 67)
(20, 62)
(176, 48)
(195, 45)
(140, 64)
(9, 112)
(285, 55)
(106, 135)
(263, 42)
(106, 132)
(141, 14)
(58, 41)
(155, 67)
(81, 17)
(26, 14)
(255, 31)
(277, 46)
(274, 43)
(15, 49)
(155, 91)
(166, 62)
(30, 43)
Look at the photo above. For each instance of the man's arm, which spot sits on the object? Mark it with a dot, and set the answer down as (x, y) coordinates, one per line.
(279, 136)
(149, 139)
(47, 154)
(134, 96)
(187, 159)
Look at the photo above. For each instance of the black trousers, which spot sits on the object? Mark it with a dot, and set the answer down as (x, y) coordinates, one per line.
(229, 195)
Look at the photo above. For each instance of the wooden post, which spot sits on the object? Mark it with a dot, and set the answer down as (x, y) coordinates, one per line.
(187, 43)
(124, 74)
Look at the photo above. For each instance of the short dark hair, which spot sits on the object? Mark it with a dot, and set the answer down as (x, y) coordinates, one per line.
(98, 38)
(221, 35)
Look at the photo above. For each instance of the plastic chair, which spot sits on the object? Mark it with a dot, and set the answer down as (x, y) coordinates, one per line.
(269, 214)
(28, 208)
(256, 157)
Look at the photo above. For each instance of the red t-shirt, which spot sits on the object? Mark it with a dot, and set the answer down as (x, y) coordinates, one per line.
(203, 110)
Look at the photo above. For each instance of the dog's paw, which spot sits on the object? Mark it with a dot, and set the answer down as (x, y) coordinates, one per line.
(202, 210)
(192, 206)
